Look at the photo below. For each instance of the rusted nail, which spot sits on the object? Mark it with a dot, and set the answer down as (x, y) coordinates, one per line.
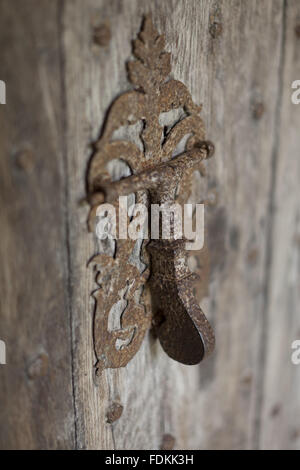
(114, 412)
(297, 30)
(168, 442)
(38, 366)
(215, 29)
(258, 110)
(252, 256)
(25, 160)
(158, 319)
(102, 34)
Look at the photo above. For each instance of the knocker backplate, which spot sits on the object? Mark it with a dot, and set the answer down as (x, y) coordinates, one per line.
(136, 291)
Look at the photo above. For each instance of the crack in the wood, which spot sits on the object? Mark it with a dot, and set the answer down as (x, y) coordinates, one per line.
(67, 261)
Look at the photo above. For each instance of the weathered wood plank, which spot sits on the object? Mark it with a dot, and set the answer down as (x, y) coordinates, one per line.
(239, 70)
(280, 413)
(231, 74)
(36, 404)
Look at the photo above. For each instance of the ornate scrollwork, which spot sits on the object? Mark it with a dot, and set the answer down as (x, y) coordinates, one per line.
(118, 279)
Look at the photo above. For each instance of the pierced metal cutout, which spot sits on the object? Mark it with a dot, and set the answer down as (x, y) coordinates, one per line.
(156, 174)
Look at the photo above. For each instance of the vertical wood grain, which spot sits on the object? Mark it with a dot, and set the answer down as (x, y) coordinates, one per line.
(234, 75)
(280, 410)
(36, 404)
(236, 57)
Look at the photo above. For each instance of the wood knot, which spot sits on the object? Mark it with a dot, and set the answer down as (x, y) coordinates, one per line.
(215, 29)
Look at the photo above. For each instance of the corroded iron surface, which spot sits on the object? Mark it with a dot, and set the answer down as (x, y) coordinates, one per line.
(158, 175)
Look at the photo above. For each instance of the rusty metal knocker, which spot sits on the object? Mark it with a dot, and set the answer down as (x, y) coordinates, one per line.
(181, 326)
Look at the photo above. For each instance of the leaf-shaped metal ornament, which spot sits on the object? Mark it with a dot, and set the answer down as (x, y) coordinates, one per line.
(157, 176)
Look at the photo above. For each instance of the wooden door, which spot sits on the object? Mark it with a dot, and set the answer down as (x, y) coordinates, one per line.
(63, 63)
